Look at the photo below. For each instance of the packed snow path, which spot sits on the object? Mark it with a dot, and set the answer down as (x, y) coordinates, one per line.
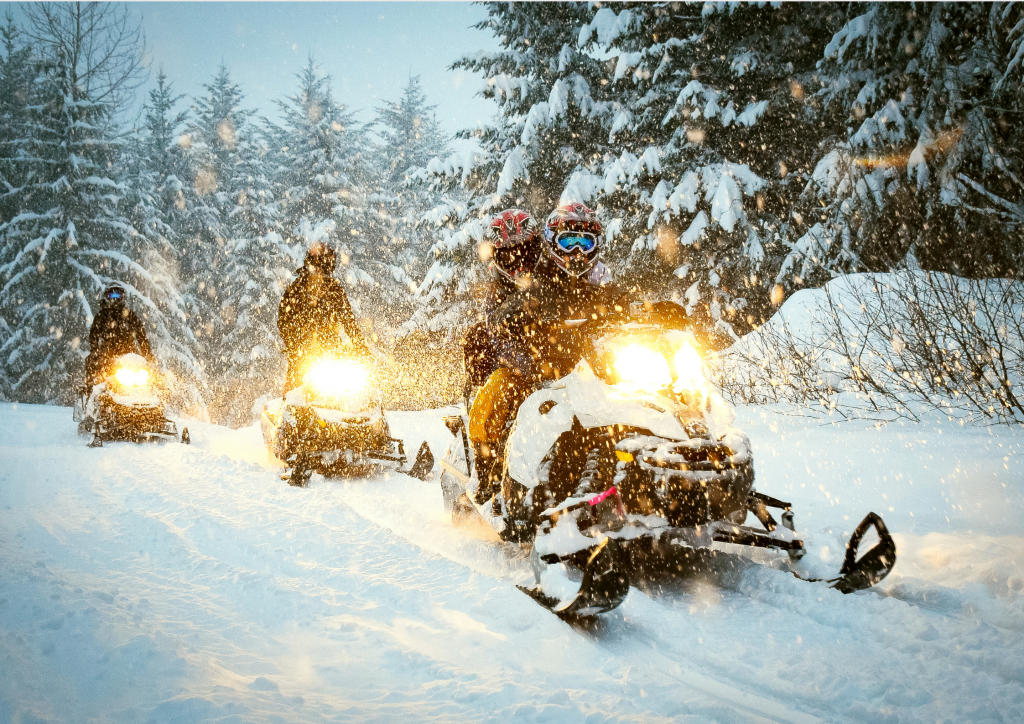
(165, 583)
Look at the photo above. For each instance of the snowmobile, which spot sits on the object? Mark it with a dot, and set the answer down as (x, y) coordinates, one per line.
(334, 423)
(633, 452)
(125, 405)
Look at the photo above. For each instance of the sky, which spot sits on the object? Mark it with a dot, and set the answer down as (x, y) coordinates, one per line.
(369, 48)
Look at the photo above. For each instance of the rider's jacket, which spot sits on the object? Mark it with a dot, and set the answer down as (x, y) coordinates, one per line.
(521, 324)
(115, 331)
(312, 313)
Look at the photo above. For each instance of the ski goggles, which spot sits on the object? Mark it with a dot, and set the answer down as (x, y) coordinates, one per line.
(113, 294)
(573, 240)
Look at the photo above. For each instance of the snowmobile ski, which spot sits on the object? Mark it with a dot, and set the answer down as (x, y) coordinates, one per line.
(423, 464)
(604, 586)
(859, 574)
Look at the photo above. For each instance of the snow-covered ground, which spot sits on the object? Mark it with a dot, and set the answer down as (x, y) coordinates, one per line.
(165, 583)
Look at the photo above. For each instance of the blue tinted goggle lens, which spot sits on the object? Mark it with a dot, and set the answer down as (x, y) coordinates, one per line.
(114, 295)
(583, 242)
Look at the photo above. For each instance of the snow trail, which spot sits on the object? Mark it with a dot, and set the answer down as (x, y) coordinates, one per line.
(167, 583)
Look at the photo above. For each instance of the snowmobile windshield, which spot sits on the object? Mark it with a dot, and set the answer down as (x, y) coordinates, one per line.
(651, 361)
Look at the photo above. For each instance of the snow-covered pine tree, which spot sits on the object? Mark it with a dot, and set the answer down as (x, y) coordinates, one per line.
(410, 138)
(162, 130)
(17, 71)
(151, 166)
(710, 134)
(70, 235)
(240, 261)
(16, 74)
(256, 271)
(210, 146)
(321, 159)
(549, 101)
(925, 101)
(686, 128)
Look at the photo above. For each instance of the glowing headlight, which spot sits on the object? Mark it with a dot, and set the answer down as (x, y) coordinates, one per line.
(337, 377)
(641, 368)
(689, 368)
(129, 377)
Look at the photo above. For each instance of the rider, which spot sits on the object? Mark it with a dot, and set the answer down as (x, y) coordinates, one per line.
(116, 330)
(564, 285)
(313, 311)
(515, 242)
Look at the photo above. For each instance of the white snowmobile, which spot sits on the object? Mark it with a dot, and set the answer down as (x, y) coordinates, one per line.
(630, 454)
(125, 405)
(334, 423)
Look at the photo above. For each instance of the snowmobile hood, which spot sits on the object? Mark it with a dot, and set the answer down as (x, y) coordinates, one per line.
(584, 396)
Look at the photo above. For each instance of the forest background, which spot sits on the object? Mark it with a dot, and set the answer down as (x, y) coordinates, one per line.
(737, 153)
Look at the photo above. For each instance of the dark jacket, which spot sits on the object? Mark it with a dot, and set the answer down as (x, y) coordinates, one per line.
(115, 331)
(313, 312)
(520, 326)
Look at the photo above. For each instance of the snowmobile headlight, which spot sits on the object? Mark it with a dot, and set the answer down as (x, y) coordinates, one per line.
(337, 377)
(129, 377)
(689, 369)
(641, 368)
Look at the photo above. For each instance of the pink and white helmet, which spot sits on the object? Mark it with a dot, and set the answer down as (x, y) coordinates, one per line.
(515, 236)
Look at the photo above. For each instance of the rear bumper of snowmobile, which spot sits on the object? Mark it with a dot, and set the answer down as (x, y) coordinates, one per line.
(353, 439)
(133, 423)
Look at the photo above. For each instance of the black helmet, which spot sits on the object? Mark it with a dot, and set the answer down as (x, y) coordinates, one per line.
(321, 256)
(113, 294)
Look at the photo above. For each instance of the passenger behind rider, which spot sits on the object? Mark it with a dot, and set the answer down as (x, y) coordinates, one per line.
(314, 311)
(514, 240)
(567, 282)
(116, 330)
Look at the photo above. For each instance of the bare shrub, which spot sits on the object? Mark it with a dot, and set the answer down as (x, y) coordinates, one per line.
(889, 345)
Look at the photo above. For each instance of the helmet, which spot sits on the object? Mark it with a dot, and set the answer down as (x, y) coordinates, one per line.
(113, 294)
(572, 238)
(321, 256)
(514, 235)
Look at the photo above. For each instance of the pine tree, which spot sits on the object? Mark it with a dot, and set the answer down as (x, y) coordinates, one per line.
(924, 159)
(210, 144)
(712, 136)
(70, 236)
(321, 159)
(411, 137)
(153, 197)
(255, 274)
(16, 73)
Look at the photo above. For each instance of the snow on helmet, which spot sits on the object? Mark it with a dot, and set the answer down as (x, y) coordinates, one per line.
(572, 238)
(514, 234)
(321, 256)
